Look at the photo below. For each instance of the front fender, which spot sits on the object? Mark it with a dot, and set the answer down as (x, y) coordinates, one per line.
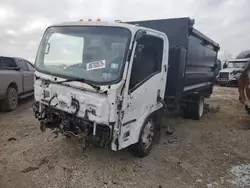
(136, 128)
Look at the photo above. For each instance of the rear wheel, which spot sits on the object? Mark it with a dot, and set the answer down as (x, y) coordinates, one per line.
(143, 146)
(11, 99)
(197, 109)
(186, 111)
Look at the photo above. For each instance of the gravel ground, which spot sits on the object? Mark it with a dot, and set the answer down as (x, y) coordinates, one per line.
(212, 152)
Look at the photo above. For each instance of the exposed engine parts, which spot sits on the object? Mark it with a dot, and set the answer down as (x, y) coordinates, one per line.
(70, 125)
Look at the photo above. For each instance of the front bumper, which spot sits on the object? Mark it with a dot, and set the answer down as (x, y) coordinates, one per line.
(223, 80)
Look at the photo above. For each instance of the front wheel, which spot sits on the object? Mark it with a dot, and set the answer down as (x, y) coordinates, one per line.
(143, 147)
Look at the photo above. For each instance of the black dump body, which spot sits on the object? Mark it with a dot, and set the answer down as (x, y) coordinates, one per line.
(192, 58)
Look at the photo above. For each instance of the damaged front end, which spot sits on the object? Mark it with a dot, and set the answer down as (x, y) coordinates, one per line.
(89, 116)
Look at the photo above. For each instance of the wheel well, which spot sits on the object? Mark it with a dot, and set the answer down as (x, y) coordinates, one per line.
(13, 85)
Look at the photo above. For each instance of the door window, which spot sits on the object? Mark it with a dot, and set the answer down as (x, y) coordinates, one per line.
(7, 63)
(22, 64)
(30, 67)
(147, 60)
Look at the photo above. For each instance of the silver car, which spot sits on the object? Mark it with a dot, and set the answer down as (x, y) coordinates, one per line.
(16, 81)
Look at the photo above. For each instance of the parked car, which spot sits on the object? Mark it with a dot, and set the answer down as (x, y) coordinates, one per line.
(16, 81)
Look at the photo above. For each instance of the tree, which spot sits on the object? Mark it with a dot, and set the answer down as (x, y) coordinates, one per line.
(225, 56)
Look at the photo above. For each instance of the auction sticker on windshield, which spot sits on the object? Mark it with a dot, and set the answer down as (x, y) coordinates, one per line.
(95, 65)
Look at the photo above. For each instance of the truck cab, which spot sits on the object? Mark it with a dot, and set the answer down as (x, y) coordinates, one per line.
(102, 82)
(231, 74)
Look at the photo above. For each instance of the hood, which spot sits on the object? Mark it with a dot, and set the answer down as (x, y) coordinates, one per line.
(229, 70)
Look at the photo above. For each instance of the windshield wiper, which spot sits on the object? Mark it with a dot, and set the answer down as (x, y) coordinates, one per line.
(79, 80)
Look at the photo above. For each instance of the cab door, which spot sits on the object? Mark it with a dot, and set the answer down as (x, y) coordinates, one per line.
(146, 79)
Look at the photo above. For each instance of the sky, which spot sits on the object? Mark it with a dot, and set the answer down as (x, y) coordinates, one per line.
(22, 22)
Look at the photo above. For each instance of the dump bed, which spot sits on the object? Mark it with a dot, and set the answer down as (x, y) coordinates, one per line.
(192, 57)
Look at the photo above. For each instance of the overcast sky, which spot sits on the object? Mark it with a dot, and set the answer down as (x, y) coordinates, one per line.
(22, 22)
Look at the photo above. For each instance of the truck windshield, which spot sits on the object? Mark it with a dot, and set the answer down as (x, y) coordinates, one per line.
(237, 64)
(95, 54)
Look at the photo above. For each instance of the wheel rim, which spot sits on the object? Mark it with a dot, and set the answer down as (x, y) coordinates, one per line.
(147, 135)
(13, 99)
(201, 106)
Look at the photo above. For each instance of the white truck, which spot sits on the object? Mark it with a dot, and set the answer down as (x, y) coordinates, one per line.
(107, 83)
(231, 74)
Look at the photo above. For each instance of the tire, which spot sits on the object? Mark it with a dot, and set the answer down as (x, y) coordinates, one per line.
(197, 108)
(186, 111)
(143, 147)
(11, 100)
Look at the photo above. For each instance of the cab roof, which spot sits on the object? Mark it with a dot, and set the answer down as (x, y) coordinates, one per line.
(131, 27)
(95, 23)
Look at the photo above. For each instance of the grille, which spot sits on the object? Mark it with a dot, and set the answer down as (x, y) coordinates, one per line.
(224, 75)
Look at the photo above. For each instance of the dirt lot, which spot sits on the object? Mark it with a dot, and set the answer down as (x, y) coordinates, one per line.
(212, 152)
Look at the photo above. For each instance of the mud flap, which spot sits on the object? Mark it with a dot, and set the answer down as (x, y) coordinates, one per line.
(158, 126)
